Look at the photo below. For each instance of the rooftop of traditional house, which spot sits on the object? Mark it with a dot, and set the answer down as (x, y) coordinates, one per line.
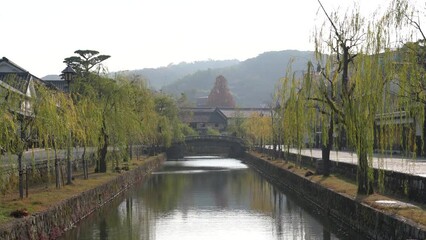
(244, 112)
(16, 78)
(205, 114)
(202, 115)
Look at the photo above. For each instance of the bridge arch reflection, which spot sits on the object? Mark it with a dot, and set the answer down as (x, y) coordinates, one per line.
(212, 145)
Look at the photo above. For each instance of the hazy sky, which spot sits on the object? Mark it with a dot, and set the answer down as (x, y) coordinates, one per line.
(38, 35)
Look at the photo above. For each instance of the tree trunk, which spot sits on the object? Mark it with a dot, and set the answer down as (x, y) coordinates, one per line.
(102, 155)
(280, 146)
(21, 176)
(57, 178)
(27, 174)
(85, 169)
(326, 149)
(423, 151)
(365, 183)
(104, 149)
(69, 163)
(130, 152)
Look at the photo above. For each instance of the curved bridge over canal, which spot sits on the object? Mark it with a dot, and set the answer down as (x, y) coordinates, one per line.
(210, 145)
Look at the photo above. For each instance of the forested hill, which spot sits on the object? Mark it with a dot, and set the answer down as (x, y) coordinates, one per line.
(251, 82)
(162, 76)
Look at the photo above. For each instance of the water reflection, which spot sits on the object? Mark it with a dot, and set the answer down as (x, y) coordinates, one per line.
(202, 199)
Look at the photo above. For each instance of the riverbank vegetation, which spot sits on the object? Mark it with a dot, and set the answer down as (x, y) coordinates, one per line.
(364, 93)
(111, 114)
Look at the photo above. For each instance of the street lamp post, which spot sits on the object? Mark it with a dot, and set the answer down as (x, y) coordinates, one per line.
(68, 74)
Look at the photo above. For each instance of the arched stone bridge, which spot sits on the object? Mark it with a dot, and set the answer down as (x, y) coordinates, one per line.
(210, 145)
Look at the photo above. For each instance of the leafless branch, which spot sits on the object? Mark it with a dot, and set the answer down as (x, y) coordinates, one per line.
(417, 26)
(331, 21)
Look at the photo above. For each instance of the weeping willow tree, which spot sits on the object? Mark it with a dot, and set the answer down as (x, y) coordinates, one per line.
(125, 112)
(142, 105)
(147, 115)
(17, 121)
(169, 127)
(54, 117)
(259, 129)
(297, 118)
(88, 128)
(358, 68)
(236, 125)
(15, 124)
(125, 124)
(406, 18)
(112, 112)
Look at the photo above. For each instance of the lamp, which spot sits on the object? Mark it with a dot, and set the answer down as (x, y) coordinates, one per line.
(68, 74)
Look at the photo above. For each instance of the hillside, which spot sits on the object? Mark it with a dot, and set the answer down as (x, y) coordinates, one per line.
(251, 82)
(162, 76)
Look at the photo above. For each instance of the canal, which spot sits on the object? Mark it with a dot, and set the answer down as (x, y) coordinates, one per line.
(204, 198)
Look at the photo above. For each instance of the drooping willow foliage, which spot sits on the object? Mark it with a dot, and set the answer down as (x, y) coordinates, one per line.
(258, 129)
(297, 114)
(54, 117)
(359, 70)
(362, 94)
(8, 129)
(99, 112)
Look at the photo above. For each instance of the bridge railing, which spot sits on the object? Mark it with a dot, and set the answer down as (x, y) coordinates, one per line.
(216, 138)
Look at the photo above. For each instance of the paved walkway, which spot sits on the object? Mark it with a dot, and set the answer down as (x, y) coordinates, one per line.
(395, 163)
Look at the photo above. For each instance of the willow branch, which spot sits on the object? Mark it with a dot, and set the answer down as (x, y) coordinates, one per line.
(331, 21)
(416, 25)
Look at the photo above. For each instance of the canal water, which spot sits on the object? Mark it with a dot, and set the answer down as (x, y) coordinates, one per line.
(203, 198)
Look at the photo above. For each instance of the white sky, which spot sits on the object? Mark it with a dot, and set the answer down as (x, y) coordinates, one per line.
(38, 35)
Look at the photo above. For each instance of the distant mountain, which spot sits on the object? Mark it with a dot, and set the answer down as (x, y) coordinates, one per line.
(251, 82)
(162, 76)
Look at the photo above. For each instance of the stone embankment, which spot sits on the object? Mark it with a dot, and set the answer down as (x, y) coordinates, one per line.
(342, 210)
(59, 218)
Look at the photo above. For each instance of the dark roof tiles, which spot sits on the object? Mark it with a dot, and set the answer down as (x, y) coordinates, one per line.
(18, 81)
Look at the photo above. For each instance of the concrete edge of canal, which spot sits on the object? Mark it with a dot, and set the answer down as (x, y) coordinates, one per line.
(51, 223)
(339, 209)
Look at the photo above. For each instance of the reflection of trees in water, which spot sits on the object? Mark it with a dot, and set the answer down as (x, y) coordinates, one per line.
(103, 230)
(137, 214)
(162, 192)
(261, 194)
(289, 220)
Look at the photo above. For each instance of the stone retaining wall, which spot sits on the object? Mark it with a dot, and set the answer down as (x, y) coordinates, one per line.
(53, 222)
(399, 184)
(341, 210)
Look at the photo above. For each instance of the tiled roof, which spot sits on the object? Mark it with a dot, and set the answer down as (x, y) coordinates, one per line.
(59, 85)
(244, 112)
(18, 81)
(202, 115)
(16, 78)
(15, 66)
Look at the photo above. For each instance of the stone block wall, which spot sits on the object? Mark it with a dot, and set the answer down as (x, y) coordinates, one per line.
(53, 222)
(411, 187)
(341, 210)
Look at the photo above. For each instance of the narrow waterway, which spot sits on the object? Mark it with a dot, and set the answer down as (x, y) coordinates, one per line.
(203, 198)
